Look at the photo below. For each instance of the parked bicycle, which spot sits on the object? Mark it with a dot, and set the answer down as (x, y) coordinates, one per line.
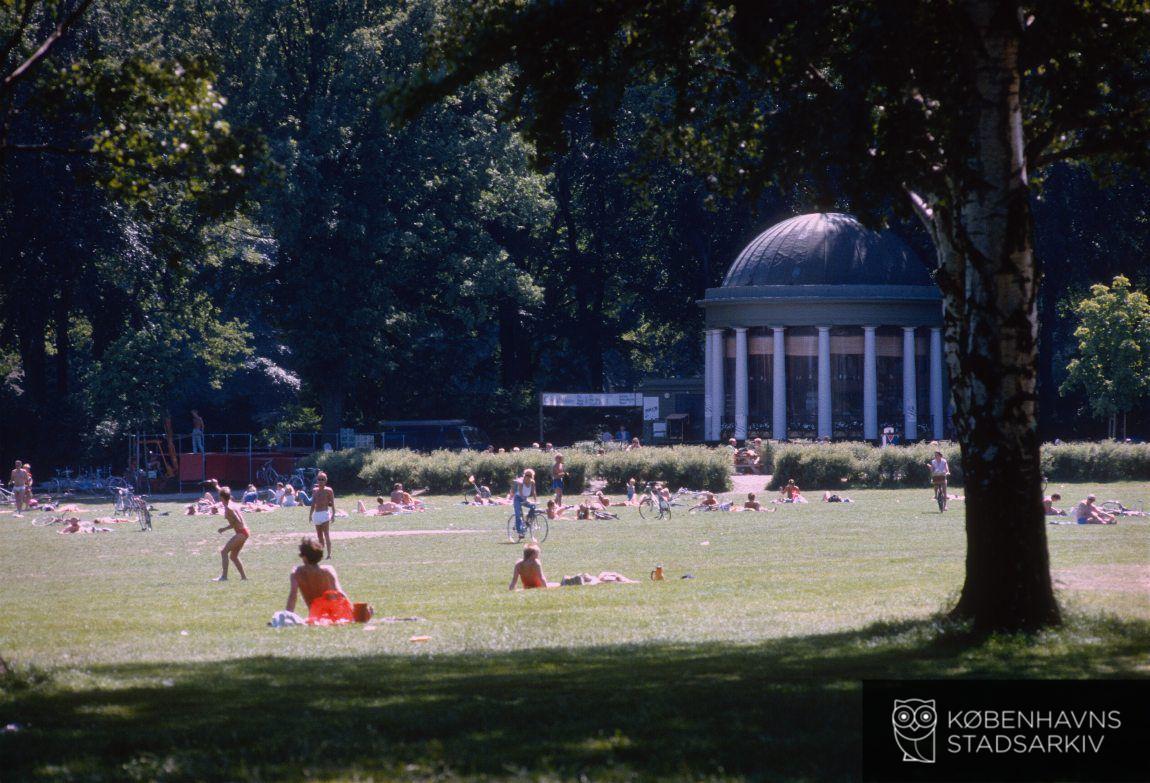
(653, 505)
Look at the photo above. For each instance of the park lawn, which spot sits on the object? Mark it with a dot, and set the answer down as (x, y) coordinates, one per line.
(131, 664)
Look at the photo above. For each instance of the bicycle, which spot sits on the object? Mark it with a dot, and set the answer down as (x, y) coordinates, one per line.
(940, 492)
(653, 505)
(134, 507)
(48, 521)
(535, 525)
(1117, 509)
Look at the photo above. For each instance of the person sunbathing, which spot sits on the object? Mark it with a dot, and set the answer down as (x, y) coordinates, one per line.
(791, 493)
(258, 506)
(74, 525)
(401, 497)
(1048, 507)
(319, 585)
(203, 505)
(529, 570)
(251, 494)
(1086, 513)
(604, 577)
(751, 504)
(831, 497)
(481, 491)
(289, 497)
(604, 501)
(593, 511)
(556, 510)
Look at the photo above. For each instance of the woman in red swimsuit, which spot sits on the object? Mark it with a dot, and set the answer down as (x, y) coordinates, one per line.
(241, 535)
(529, 570)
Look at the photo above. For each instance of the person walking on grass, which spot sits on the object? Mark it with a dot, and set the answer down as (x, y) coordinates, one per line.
(322, 511)
(558, 473)
(240, 536)
(20, 481)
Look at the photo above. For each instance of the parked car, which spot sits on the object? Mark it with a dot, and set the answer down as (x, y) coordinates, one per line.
(431, 434)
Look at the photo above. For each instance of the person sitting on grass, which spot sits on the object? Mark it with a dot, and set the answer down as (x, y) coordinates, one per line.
(751, 504)
(319, 585)
(555, 510)
(529, 570)
(603, 500)
(481, 491)
(1048, 507)
(791, 493)
(289, 497)
(251, 494)
(240, 536)
(402, 497)
(1086, 513)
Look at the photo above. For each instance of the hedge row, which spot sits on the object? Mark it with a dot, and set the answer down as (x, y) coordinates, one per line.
(446, 472)
(442, 472)
(829, 466)
(1106, 461)
(834, 465)
(815, 466)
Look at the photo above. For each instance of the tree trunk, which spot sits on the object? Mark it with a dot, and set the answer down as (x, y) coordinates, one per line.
(989, 285)
(331, 400)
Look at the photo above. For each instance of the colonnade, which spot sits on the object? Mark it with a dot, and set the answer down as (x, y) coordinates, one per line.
(715, 393)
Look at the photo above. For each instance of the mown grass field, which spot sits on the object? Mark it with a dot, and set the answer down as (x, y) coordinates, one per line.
(130, 664)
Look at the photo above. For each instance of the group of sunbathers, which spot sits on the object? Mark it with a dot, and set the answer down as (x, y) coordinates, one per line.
(1086, 512)
(400, 502)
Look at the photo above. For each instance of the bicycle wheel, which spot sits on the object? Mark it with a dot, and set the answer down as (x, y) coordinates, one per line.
(512, 533)
(646, 508)
(940, 496)
(539, 528)
(664, 512)
(44, 522)
(145, 518)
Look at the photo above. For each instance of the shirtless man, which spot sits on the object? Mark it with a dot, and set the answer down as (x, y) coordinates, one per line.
(197, 432)
(402, 497)
(322, 511)
(240, 536)
(19, 481)
(312, 580)
(558, 473)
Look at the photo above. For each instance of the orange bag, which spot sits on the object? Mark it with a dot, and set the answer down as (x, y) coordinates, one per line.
(329, 609)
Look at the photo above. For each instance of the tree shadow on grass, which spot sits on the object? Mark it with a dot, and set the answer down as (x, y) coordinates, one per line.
(787, 709)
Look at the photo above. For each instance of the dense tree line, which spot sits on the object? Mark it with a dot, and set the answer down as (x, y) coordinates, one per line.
(211, 203)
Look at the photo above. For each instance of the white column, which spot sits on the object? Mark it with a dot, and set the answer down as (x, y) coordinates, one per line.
(708, 384)
(779, 385)
(720, 381)
(824, 425)
(870, 385)
(909, 394)
(936, 407)
(741, 382)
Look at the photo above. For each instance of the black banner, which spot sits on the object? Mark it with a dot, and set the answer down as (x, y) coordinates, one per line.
(1006, 730)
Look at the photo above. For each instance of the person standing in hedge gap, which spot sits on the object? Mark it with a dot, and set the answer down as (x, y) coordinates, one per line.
(558, 473)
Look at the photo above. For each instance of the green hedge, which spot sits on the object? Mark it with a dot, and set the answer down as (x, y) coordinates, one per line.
(442, 472)
(814, 466)
(830, 466)
(696, 467)
(1106, 461)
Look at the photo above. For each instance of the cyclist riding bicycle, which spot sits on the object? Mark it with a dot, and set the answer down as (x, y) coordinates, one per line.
(939, 470)
(523, 494)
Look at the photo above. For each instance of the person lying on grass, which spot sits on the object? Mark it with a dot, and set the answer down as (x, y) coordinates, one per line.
(482, 492)
(240, 536)
(74, 525)
(1086, 513)
(556, 511)
(593, 511)
(832, 497)
(319, 585)
(1049, 508)
(529, 570)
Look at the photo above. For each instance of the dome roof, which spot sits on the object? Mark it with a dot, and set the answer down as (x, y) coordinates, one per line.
(826, 248)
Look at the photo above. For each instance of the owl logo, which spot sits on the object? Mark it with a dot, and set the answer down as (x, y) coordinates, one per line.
(914, 724)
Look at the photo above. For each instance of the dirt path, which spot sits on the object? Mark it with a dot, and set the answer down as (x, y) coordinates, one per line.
(1110, 578)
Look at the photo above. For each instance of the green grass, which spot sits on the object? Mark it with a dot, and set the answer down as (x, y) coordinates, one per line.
(131, 665)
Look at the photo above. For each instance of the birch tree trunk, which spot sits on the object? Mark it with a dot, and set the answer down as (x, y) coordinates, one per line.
(989, 283)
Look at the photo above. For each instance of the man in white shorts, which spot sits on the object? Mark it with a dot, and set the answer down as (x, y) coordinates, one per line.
(19, 482)
(322, 511)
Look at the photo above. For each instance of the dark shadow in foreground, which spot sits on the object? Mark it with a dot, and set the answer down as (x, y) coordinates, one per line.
(787, 709)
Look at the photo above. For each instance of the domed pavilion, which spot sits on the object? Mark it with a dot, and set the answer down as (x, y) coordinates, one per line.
(823, 328)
